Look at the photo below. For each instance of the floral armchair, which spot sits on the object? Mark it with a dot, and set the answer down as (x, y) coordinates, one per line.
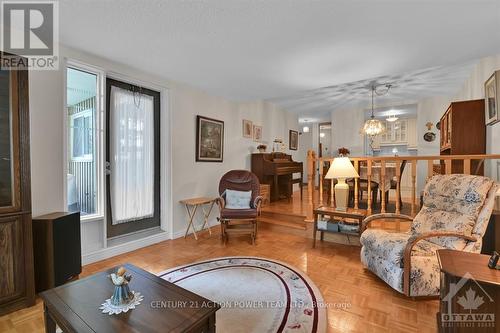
(455, 214)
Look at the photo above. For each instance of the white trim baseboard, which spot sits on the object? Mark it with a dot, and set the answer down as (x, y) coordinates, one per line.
(124, 248)
(182, 232)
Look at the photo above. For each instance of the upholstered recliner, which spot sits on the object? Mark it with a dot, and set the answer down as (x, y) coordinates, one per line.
(239, 180)
(455, 214)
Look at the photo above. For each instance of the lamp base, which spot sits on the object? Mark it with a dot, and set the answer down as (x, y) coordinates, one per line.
(341, 195)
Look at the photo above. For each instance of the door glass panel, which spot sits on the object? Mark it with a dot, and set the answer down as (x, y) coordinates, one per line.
(82, 153)
(6, 160)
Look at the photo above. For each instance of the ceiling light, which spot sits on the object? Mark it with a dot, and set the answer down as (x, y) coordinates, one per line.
(321, 135)
(374, 127)
(305, 129)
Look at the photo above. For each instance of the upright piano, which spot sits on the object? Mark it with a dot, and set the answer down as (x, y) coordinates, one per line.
(277, 169)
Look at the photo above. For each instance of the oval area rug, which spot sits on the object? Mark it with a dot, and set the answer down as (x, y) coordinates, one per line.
(256, 294)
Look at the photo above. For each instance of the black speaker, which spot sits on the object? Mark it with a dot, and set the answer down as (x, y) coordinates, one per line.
(56, 249)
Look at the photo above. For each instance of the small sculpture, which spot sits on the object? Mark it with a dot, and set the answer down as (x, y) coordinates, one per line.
(122, 299)
(122, 293)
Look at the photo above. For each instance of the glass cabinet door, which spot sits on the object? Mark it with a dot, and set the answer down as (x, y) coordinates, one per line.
(8, 138)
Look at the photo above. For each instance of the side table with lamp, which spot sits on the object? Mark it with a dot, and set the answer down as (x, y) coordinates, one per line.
(341, 219)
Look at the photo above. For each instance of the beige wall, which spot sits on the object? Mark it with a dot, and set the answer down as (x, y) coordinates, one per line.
(189, 179)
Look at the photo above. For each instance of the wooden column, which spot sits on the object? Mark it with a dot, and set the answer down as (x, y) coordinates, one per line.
(398, 187)
(447, 166)
(382, 186)
(413, 186)
(369, 179)
(467, 166)
(430, 169)
(356, 181)
(320, 172)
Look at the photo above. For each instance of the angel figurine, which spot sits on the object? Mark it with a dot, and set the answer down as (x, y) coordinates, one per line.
(122, 294)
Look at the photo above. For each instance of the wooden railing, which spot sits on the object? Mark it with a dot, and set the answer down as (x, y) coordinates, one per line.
(378, 166)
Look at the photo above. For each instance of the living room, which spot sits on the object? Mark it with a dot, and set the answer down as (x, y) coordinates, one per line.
(205, 146)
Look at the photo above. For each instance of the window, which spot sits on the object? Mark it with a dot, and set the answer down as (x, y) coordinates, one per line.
(81, 126)
(83, 150)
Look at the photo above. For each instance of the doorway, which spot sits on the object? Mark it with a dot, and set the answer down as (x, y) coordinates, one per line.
(325, 139)
(132, 158)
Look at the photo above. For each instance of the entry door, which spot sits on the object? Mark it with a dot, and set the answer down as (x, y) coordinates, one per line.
(132, 158)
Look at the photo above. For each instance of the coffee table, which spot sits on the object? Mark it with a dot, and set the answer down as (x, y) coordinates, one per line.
(74, 307)
(357, 215)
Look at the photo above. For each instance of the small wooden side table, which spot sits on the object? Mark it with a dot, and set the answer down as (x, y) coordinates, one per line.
(469, 293)
(357, 215)
(192, 206)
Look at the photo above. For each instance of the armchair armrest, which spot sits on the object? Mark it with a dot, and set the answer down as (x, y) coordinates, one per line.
(257, 203)
(414, 240)
(374, 217)
(220, 202)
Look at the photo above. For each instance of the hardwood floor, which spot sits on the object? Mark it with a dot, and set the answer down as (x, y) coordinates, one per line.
(335, 268)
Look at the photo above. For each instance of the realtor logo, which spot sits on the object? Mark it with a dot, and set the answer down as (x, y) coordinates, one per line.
(30, 29)
(474, 305)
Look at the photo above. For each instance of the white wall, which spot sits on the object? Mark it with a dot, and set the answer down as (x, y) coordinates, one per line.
(346, 125)
(189, 178)
(473, 88)
(428, 110)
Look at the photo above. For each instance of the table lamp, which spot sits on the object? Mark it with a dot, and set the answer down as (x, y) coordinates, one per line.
(341, 169)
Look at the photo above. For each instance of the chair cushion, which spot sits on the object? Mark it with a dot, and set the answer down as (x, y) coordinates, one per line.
(238, 199)
(451, 203)
(464, 194)
(230, 214)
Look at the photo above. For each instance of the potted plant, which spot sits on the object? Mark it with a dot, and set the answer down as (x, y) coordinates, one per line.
(262, 148)
(343, 151)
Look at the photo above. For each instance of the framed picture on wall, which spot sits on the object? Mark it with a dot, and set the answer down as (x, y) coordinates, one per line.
(491, 98)
(209, 140)
(257, 133)
(293, 140)
(247, 128)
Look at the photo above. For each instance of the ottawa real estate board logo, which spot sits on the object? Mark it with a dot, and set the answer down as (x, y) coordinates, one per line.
(469, 306)
(30, 35)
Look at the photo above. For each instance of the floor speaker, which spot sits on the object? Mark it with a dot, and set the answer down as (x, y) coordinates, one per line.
(56, 249)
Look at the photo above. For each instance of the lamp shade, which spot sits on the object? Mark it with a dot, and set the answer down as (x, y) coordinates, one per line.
(341, 168)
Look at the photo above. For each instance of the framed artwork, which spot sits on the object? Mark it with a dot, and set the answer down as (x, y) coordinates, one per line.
(247, 128)
(257, 133)
(293, 140)
(491, 99)
(209, 140)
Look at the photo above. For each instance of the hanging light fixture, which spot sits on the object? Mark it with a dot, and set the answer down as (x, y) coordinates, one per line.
(374, 127)
(305, 128)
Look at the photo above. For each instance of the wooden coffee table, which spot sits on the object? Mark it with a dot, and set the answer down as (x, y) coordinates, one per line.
(74, 307)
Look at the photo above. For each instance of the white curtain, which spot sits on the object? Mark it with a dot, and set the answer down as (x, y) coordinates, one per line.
(131, 155)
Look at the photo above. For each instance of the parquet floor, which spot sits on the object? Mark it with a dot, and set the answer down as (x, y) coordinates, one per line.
(335, 268)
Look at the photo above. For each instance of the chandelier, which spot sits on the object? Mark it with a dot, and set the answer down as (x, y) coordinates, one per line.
(374, 127)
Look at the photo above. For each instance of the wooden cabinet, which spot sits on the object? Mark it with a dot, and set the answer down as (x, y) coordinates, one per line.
(16, 251)
(399, 132)
(463, 132)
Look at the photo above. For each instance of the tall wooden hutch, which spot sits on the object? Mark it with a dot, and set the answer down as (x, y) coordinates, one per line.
(16, 249)
(463, 132)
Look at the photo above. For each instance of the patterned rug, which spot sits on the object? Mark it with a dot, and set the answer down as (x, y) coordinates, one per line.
(256, 294)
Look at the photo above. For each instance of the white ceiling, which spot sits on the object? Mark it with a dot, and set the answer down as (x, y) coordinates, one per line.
(246, 50)
(317, 104)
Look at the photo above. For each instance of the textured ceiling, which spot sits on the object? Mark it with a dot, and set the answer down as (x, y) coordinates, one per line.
(248, 50)
(317, 104)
